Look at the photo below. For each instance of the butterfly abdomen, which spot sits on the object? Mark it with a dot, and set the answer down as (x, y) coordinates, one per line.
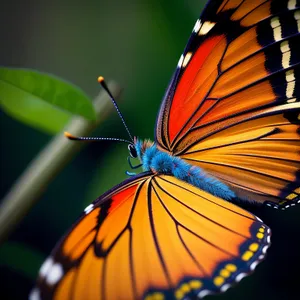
(161, 162)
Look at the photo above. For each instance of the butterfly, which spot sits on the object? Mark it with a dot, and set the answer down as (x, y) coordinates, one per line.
(227, 132)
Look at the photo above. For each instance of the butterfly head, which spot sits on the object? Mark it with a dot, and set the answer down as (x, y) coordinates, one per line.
(132, 151)
(137, 150)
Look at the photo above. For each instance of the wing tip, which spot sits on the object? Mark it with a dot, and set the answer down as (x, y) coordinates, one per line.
(228, 273)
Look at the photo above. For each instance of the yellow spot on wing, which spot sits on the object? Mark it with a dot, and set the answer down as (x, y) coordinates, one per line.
(253, 247)
(179, 294)
(218, 280)
(225, 273)
(155, 296)
(195, 284)
(231, 267)
(291, 196)
(159, 296)
(260, 235)
(247, 255)
(185, 288)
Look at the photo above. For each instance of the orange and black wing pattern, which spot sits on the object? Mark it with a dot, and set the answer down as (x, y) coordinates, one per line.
(153, 237)
(234, 101)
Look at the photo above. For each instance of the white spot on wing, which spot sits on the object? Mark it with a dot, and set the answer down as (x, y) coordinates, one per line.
(259, 219)
(240, 277)
(197, 26)
(204, 293)
(34, 294)
(275, 24)
(284, 46)
(286, 54)
(225, 287)
(206, 27)
(277, 33)
(180, 61)
(290, 78)
(291, 101)
(48, 263)
(290, 89)
(253, 265)
(89, 208)
(187, 59)
(264, 249)
(292, 4)
(55, 274)
(286, 59)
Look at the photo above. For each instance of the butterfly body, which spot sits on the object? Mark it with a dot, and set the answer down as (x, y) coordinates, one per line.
(162, 162)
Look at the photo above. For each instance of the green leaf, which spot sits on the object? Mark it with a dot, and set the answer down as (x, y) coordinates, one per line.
(21, 258)
(40, 100)
(32, 111)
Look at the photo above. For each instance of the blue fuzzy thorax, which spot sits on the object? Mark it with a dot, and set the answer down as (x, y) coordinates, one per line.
(161, 162)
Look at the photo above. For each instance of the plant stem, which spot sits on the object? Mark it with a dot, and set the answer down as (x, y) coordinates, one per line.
(47, 164)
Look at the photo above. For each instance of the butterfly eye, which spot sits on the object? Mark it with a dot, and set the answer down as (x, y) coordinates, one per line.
(132, 151)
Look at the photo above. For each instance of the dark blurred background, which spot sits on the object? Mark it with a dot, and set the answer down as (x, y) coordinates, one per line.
(137, 43)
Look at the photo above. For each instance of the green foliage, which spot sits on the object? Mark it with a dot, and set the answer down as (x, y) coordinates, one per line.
(110, 173)
(21, 258)
(41, 100)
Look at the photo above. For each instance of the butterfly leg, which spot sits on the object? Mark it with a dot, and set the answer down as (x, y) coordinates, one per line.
(131, 166)
(130, 173)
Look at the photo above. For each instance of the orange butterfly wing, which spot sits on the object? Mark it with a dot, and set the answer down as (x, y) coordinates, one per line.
(233, 104)
(153, 237)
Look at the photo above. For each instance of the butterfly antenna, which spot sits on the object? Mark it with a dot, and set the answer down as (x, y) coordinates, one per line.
(103, 83)
(93, 139)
